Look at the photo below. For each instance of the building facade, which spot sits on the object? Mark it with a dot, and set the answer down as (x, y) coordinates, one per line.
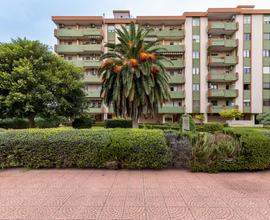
(220, 58)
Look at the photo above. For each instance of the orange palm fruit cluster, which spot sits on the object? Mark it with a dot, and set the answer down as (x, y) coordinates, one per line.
(146, 56)
(117, 68)
(133, 62)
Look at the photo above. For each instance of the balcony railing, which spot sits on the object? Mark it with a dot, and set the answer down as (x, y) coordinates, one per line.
(215, 76)
(174, 64)
(222, 60)
(86, 63)
(222, 44)
(167, 34)
(222, 27)
(171, 109)
(226, 93)
(172, 49)
(179, 78)
(177, 94)
(93, 94)
(92, 79)
(61, 48)
(219, 108)
(78, 33)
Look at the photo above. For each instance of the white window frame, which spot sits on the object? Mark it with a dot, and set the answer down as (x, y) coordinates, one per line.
(246, 53)
(195, 55)
(247, 19)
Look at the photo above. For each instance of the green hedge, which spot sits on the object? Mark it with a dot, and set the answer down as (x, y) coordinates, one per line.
(14, 123)
(118, 123)
(86, 148)
(254, 153)
(160, 126)
(210, 127)
(83, 122)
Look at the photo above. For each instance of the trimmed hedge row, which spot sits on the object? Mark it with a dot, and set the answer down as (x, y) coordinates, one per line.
(254, 153)
(118, 123)
(160, 126)
(86, 148)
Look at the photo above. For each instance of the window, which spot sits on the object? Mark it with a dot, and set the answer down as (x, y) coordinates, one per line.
(212, 86)
(195, 87)
(246, 86)
(246, 53)
(247, 70)
(196, 38)
(195, 54)
(247, 36)
(195, 71)
(229, 103)
(266, 102)
(69, 58)
(267, 19)
(266, 86)
(196, 22)
(111, 28)
(266, 53)
(247, 19)
(247, 103)
(266, 36)
(214, 102)
(266, 69)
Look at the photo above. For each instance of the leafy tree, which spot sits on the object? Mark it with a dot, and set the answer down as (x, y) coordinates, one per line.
(34, 82)
(264, 118)
(133, 75)
(231, 114)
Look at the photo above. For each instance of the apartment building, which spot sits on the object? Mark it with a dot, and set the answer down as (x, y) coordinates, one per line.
(220, 58)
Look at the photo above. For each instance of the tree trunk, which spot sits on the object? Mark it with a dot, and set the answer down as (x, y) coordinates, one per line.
(135, 123)
(31, 120)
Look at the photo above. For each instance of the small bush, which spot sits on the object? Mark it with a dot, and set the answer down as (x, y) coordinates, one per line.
(210, 127)
(118, 123)
(160, 126)
(47, 122)
(87, 148)
(83, 122)
(14, 123)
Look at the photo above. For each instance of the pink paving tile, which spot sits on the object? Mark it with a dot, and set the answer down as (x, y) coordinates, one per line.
(180, 213)
(111, 212)
(88, 212)
(134, 212)
(174, 201)
(134, 201)
(155, 201)
(66, 212)
(157, 213)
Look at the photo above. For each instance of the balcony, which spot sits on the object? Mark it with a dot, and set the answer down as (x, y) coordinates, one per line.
(216, 76)
(167, 34)
(221, 27)
(171, 109)
(94, 110)
(177, 94)
(86, 63)
(174, 64)
(222, 44)
(65, 33)
(92, 94)
(92, 79)
(177, 79)
(61, 48)
(219, 108)
(219, 93)
(173, 49)
(222, 61)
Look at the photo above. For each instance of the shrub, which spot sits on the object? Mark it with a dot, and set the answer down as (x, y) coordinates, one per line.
(230, 114)
(14, 123)
(47, 122)
(264, 118)
(83, 122)
(95, 148)
(160, 126)
(254, 153)
(211, 127)
(118, 123)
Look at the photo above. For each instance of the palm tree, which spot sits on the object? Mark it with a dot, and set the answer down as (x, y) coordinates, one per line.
(134, 80)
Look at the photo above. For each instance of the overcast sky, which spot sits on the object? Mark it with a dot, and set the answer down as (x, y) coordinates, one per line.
(32, 18)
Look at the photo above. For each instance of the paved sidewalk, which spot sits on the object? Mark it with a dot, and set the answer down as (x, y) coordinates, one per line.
(104, 194)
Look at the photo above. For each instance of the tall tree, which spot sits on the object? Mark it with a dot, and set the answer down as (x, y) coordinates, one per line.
(34, 81)
(133, 74)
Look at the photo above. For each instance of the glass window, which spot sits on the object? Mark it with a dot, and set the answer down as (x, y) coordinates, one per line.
(196, 22)
(212, 86)
(196, 38)
(195, 87)
(247, 69)
(247, 36)
(266, 69)
(266, 86)
(266, 53)
(247, 103)
(195, 71)
(267, 19)
(266, 36)
(246, 53)
(111, 28)
(214, 102)
(246, 86)
(266, 102)
(247, 19)
(195, 54)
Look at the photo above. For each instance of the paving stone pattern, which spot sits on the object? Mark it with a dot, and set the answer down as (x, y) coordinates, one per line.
(105, 194)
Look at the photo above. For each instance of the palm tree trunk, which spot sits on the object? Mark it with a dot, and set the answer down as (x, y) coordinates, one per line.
(31, 120)
(135, 123)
